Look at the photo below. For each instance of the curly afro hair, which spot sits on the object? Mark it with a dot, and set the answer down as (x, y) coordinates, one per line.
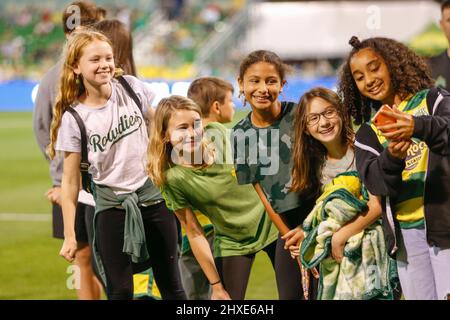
(409, 74)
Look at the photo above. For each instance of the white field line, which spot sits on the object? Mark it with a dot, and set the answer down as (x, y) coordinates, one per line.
(25, 217)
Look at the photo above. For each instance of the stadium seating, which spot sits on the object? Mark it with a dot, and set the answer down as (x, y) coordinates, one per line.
(31, 35)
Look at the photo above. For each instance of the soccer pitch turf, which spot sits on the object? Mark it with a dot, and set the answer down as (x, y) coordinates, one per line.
(30, 266)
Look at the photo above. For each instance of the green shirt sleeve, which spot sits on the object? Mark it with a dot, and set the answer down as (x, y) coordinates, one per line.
(240, 147)
(174, 195)
(218, 134)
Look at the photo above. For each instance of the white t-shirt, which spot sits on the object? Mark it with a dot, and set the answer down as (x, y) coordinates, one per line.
(86, 198)
(117, 137)
(332, 168)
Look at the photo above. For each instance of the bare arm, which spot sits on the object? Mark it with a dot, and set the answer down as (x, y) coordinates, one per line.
(276, 219)
(202, 252)
(355, 226)
(69, 197)
(292, 237)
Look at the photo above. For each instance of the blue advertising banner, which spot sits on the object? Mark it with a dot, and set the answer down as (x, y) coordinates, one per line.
(19, 95)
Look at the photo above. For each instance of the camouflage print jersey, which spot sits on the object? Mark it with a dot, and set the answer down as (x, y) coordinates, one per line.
(264, 155)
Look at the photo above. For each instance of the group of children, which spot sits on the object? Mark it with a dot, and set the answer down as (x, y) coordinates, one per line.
(259, 183)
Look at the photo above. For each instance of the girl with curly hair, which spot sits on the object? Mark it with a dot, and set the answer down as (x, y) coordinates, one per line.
(407, 162)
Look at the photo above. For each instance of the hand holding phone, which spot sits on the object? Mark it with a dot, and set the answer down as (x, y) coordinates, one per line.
(381, 119)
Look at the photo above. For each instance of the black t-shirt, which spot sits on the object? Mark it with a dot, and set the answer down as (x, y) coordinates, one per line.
(440, 69)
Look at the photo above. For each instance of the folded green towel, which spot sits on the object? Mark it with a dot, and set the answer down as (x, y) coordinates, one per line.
(366, 271)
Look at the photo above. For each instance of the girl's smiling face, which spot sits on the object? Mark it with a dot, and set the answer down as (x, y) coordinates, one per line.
(323, 121)
(96, 64)
(184, 130)
(372, 76)
(261, 85)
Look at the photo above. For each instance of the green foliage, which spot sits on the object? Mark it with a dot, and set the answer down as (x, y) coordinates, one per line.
(430, 42)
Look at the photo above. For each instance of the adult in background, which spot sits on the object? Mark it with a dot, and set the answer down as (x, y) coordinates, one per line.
(440, 64)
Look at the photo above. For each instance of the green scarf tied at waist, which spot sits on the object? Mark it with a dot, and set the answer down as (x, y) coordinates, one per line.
(366, 271)
(134, 242)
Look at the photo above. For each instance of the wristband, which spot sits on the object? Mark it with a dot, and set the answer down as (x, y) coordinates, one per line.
(219, 281)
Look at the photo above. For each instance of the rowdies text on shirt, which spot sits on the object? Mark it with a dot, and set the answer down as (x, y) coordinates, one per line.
(127, 125)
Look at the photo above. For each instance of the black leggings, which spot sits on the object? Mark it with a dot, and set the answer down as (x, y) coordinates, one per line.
(234, 271)
(287, 270)
(84, 231)
(161, 236)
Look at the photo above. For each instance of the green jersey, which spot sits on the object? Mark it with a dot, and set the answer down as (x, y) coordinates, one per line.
(264, 155)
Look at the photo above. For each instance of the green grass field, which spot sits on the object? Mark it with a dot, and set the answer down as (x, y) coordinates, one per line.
(30, 267)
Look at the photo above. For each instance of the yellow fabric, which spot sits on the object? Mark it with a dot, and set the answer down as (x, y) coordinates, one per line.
(202, 219)
(410, 210)
(351, 182)
(155, 290)
(140, 283)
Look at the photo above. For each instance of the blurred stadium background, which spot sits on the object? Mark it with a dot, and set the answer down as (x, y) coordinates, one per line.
(174, 42)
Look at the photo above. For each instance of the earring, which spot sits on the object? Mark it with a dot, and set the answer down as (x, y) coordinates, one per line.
(77, 80)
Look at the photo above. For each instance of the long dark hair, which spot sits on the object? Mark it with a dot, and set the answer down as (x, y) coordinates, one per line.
(409, 75)
(310, 154)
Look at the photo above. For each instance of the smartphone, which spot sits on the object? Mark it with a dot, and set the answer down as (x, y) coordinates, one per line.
(380, 119)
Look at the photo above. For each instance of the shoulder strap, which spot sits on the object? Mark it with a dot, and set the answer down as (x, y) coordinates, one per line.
(84, 163)
(130, 91)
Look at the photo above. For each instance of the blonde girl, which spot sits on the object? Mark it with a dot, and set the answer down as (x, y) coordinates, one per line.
(195, 174)
(131, 220)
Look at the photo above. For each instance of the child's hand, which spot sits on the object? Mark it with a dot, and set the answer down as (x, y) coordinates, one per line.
(338, 242)
(295, 251)
(69, 249)
(293, 237)
(399, 149)
(219, 292)
(54, 195)
(402, 129)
